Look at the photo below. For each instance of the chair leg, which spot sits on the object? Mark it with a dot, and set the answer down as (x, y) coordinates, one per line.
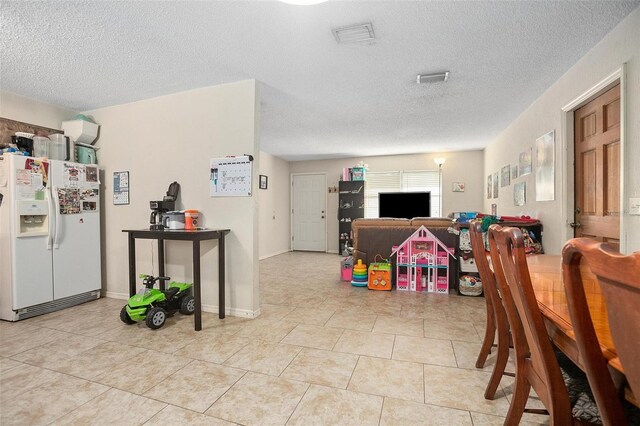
(489, 337)
(518, 400)
(502, 357)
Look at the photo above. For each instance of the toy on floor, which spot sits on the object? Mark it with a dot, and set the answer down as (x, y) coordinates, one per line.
(346, 268)
(422, 263)
(153, 306)
(379, 274)
(360, 275)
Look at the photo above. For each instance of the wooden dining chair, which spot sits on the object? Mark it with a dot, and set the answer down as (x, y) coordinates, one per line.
(496, 316)
(536, 364)
(619, 279)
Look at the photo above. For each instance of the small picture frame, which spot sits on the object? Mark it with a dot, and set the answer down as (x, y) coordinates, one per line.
(458, 187)
(264, 180)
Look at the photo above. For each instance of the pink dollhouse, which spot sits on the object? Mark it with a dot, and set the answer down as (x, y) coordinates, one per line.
(422, 263)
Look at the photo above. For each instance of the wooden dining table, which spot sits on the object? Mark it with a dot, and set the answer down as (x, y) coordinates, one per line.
(546, 278)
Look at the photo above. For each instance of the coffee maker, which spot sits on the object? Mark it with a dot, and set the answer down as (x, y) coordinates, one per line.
(167, 204)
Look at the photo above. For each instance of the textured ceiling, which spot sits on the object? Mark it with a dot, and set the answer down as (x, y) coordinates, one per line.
(319, 99)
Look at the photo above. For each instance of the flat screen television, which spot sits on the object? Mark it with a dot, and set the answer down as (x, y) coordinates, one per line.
(405, 205)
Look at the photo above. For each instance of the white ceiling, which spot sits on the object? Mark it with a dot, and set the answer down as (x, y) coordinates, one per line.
(319, 99)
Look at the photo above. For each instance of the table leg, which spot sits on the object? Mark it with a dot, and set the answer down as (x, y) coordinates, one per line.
(196, 285)
(221, 277)
(132, 265)
(161, 263)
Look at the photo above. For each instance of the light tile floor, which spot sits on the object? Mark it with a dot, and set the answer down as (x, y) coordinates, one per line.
(321, 352)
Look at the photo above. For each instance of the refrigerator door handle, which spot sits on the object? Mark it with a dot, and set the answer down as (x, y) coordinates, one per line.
(51, 213)
(56, 197)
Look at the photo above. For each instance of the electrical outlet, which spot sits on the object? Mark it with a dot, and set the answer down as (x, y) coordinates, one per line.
(634, 206)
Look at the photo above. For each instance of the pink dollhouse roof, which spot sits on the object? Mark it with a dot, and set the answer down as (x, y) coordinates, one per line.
(417, 235)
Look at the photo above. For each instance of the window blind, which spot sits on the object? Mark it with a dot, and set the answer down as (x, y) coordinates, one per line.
(401, 181)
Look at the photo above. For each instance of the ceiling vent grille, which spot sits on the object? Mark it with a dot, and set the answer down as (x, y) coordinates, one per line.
(354, 34)
(432, 78)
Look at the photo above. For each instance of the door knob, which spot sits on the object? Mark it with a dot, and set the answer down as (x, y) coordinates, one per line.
(575, 224)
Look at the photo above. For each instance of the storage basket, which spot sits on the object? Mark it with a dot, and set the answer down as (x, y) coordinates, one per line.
(470, 285)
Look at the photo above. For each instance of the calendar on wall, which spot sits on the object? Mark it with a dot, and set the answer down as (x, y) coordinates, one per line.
(230, 176)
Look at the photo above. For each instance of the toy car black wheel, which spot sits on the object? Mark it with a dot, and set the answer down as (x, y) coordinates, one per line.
(155, 318)
(124, 316)
(187, 305)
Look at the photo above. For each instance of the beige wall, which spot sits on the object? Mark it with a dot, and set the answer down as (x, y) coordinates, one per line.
(464, 166)
(619, 46)
(273, 207)
(173, 138)
(19, 108)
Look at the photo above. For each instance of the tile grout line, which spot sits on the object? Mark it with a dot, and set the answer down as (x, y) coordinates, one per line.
(353, 372)
(292, 359)
(384, 399)
(223, 394)
(455, 357)
(299, 401)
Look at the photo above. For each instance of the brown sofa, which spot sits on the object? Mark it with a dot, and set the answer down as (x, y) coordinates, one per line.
(377, 236)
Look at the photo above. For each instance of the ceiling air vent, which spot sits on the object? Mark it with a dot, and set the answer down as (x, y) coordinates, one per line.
(432, 78)
(354, 33)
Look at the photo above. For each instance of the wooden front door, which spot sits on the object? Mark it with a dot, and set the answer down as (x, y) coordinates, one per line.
(597, 168)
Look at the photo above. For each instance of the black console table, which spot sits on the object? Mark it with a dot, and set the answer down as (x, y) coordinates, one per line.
(195, 237)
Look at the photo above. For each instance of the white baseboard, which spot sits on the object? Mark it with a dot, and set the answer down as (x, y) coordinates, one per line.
(275, 254)
(234, 312)
(333, 252)
(114, 295)
(243, 313)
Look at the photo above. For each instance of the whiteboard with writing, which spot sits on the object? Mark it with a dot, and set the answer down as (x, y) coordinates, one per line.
(230, 177)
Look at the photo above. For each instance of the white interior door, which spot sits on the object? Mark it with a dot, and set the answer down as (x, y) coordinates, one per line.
(309, 213)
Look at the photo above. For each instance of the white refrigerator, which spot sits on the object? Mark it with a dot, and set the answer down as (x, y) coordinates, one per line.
(49, 235)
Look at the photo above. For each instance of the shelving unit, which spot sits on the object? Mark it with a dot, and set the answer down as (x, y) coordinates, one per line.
(350, 208)
(467, 260)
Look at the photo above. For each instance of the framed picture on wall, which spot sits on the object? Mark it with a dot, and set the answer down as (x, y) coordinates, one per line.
(545, 167)
(264, 180)
(524, 163)
(458, 187)
(505, 176)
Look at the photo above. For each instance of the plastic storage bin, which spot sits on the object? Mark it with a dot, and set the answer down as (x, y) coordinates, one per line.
(41, 146)
(346, 266)
(80, 130)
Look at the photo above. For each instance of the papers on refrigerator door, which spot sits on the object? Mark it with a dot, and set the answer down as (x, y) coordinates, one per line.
(230, 176)
(89, 200)
(91, 177)
(73, 175)
(69, 200)
(24, 189)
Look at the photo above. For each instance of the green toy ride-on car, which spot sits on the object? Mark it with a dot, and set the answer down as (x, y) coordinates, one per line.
(153, 306)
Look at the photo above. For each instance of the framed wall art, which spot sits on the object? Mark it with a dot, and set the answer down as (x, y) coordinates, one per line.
(505, 176)
(524, 163)
(545, 167)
